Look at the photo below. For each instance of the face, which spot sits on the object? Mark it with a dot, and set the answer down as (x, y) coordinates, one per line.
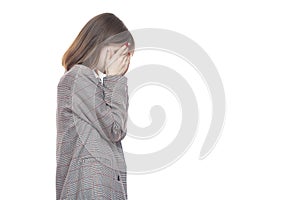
(114, 48)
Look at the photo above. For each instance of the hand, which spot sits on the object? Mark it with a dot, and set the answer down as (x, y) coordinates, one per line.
(127, 63)
(118, 63)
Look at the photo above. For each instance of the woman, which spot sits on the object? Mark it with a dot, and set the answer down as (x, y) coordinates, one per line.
(92, 105)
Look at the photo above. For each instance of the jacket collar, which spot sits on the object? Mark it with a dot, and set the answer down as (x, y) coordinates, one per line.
(90, 73)
(100, 75)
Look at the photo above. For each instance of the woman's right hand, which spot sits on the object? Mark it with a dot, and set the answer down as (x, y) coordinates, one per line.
(118, 63)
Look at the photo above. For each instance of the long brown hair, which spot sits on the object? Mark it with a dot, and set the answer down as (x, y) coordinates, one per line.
(93, 33)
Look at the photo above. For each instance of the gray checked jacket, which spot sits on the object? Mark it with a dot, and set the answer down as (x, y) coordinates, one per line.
(91, 121)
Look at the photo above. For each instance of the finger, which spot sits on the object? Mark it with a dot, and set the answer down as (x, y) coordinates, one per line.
(122, 50)
(127, 66)
(113, 57)
(123, 58)
(120, 60)
(127, 59)
(126, 63)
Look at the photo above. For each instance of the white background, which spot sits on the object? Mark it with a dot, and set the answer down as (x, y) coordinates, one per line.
(255, 46)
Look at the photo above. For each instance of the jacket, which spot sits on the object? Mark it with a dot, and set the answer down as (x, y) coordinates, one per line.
(91, 121)
(100, 75)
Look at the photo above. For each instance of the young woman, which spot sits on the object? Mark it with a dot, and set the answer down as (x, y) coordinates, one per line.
(92, 105)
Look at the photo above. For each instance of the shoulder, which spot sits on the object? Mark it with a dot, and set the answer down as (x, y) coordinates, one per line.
(79, 76)
(69, 76)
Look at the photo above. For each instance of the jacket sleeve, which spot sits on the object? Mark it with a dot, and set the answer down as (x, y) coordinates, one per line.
(115, 91)
(103, 108)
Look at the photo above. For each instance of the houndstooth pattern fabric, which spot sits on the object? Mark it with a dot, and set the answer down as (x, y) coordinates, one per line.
(91, 122)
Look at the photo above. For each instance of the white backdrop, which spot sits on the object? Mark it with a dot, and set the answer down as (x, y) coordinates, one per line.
(255, 46)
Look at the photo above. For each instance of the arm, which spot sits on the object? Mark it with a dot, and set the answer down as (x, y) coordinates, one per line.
(116, 99)
(102, 108)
